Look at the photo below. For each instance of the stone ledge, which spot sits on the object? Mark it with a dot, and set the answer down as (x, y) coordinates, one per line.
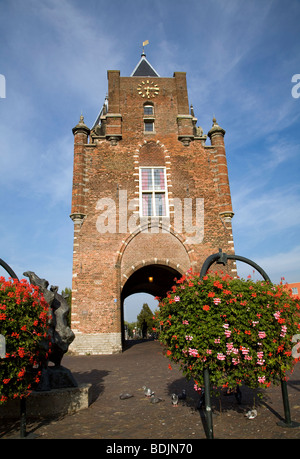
(50, 403)
(96, 344)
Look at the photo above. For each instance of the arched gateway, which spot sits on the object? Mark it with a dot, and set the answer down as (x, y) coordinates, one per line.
(150, 200)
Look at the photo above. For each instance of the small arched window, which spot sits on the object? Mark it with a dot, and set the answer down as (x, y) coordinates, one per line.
(148, 109)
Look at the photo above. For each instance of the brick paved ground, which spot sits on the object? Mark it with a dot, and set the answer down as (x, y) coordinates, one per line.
(143, 363)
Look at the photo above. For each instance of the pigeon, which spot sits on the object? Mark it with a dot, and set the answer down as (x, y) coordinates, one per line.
(125, 396)
(155, 399)
(148, 392)
(251, 414)
(174, 398)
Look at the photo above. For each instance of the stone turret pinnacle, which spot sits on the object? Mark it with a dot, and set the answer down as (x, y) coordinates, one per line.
(216, 129)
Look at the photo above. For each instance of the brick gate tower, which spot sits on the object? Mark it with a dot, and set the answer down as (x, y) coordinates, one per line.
(150, 200)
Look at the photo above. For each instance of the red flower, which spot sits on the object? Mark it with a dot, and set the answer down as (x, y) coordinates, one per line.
(218, 285)
(211, 294)
(169, 352)
(206, 307)
(21, 373)
(21, 352)
(280, 348)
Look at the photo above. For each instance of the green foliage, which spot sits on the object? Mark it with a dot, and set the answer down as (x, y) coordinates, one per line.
(145, 315)
(24, 324)
(130, 327)
(240, 330)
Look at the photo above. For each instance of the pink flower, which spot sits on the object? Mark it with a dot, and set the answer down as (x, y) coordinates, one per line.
(283, 331)
(197, 389)
(245, 351)
(261, 379)
(176, 298)
(193, 352)
(227, 333)
(277, 315)
(208, 351)
(189, 338)
(217, 300)
(262, 334)
(185, 322)
(217, 340)
(221, 356)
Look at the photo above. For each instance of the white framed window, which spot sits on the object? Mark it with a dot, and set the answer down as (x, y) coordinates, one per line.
(149, 118)
(148, 125)
(294, 290)
(153, 192)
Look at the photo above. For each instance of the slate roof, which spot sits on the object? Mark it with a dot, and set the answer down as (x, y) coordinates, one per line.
(144, 68)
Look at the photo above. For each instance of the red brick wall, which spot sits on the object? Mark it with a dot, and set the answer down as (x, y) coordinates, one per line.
(109, 168)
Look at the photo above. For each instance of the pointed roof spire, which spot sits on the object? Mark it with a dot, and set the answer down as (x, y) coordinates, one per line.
(144, 68)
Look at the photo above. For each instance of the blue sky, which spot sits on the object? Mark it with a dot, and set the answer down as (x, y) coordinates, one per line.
(240, 58)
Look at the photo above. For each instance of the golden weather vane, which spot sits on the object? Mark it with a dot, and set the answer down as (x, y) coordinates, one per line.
(144, 44)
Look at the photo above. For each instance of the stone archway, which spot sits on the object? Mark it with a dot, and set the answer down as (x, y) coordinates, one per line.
(155, 279)
(160, 254)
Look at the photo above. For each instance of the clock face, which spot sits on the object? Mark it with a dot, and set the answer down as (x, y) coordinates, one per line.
(148, 89)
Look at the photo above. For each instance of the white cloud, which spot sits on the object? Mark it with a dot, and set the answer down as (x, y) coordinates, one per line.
(277, 265)
(269, 212)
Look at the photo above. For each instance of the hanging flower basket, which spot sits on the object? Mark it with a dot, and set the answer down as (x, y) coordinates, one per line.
(24, 319)
(240, 330)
